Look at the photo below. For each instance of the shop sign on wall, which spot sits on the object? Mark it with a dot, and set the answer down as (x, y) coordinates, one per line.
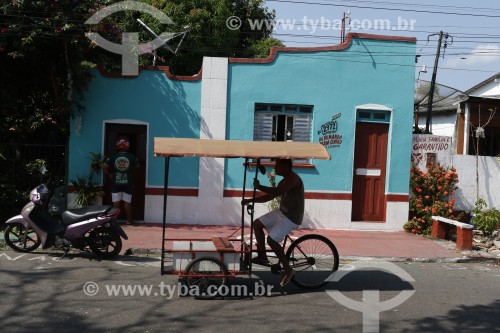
(328, 133)
(430, 149)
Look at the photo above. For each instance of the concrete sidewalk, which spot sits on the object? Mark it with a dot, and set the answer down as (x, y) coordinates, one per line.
(350, 244)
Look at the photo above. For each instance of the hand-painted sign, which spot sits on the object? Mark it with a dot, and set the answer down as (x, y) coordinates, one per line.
(328, 138)
(429, 149)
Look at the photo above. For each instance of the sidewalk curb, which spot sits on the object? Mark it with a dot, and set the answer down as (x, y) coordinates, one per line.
(465, 259)
(426, 260)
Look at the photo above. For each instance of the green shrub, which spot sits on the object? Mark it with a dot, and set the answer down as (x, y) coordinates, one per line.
(487, 221)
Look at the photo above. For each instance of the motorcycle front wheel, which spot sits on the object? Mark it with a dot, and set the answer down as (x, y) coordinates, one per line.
(21, 238)
(104, 243)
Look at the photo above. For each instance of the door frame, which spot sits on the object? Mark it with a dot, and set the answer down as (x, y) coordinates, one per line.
(128, 122)
(389, 111)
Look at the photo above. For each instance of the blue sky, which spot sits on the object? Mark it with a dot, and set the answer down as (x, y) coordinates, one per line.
(473, 56)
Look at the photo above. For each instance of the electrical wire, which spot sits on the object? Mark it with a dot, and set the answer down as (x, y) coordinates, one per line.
(465, 36)
(386, 8)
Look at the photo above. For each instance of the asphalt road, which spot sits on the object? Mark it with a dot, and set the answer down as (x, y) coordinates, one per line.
(42, 293)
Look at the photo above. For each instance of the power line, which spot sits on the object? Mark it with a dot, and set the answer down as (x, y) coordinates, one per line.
(423, 5)
(386, 8)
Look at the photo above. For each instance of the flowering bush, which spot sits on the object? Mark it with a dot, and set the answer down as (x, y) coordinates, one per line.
(430, 196)
(275, 203)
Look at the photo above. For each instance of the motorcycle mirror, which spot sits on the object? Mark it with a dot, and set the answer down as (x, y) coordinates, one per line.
(43, 169)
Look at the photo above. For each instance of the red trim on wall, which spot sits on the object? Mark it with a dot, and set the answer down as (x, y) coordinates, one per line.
(236, 193)
(343, 46)
(180, 192)
(164, 69)
(308, 195)
(397, 197)
(274, 51)
(193, 192)
(328, 196)
(295, 165)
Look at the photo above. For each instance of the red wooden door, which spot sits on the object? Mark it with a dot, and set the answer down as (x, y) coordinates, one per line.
(370, 155)
(137, 135)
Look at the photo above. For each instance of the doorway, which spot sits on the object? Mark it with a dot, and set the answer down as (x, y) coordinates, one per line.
(370, 155)
(137, 135)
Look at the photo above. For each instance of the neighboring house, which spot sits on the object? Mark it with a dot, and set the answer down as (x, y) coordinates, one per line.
(459, 115)
(475, 112)
(444, 108)
(461, 121)
(355, 98)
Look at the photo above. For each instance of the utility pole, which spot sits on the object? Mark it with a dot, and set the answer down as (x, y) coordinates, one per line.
(433, 84)
(347, 16)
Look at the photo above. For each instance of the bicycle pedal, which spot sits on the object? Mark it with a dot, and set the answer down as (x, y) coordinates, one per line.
(276, 269)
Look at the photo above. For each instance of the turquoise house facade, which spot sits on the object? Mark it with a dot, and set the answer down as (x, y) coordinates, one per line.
(355, 98)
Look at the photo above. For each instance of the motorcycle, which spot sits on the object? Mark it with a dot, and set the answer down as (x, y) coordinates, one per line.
(92, 227)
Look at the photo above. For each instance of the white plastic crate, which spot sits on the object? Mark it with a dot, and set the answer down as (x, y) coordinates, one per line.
(202, 249)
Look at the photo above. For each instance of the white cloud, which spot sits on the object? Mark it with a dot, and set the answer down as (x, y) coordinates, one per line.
(481, 55)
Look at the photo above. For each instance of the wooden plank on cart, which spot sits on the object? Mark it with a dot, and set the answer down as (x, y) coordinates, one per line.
(222, 244)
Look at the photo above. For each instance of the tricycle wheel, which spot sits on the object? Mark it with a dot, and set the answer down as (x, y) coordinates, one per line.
(205, 277)
(314, 258)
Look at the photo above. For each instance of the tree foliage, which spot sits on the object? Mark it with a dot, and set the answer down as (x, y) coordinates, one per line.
(42, 49)
(45, 56)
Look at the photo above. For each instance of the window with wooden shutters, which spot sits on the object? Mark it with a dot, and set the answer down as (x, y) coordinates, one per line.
(283, 122)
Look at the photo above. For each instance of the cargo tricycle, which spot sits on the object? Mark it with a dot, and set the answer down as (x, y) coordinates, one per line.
(208, 263)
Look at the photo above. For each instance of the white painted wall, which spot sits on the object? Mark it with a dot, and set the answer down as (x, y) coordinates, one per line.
(490, 89)
(210, 207)
(319, 214)
(489, 181)
(443, 123)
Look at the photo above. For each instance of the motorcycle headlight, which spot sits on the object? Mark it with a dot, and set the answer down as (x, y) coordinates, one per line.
(40, 194)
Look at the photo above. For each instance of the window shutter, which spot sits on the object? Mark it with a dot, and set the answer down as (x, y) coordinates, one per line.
(263, 127)
(302, 128)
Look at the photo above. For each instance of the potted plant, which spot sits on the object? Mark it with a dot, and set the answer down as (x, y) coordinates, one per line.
(85, 188)
(95, 163)
(86, 191)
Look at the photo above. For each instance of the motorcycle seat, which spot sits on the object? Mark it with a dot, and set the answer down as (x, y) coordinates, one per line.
(72, 216)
